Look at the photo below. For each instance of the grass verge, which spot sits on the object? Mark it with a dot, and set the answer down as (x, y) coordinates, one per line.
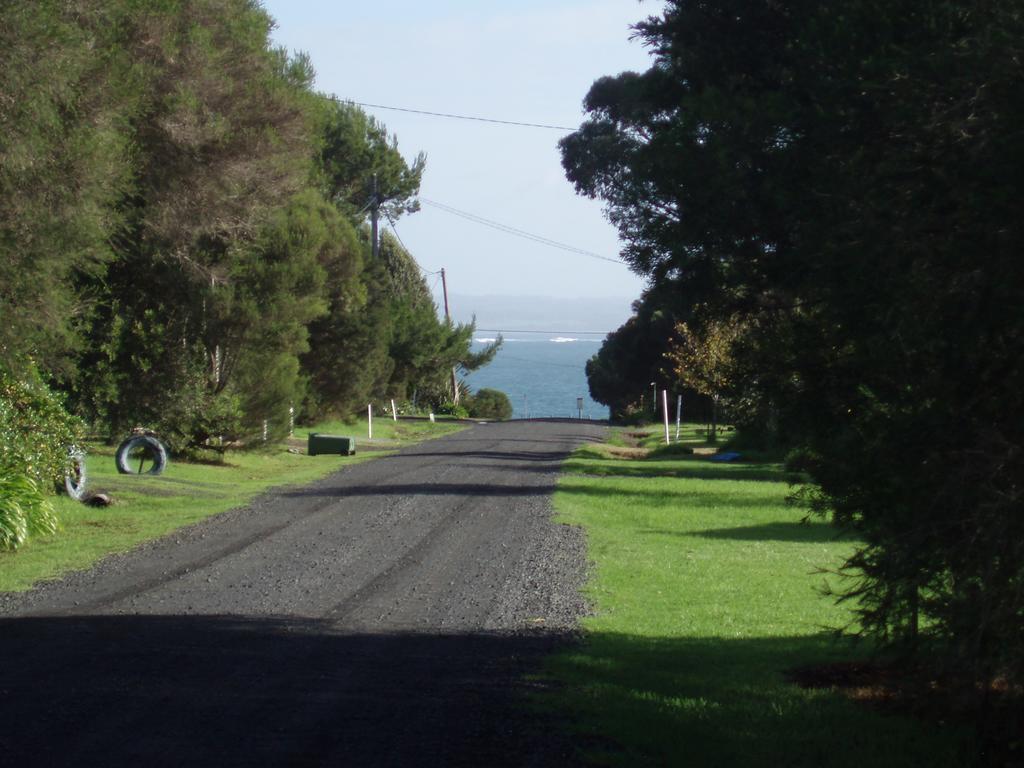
(385, 430)
(147, 507)
(704, 595)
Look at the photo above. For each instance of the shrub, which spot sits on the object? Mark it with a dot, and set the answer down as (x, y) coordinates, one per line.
(450, 409)
(35, 434)
(193, 417)
(490, 404)
(35, 430)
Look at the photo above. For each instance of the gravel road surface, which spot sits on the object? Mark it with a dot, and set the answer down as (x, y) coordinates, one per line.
(383, 616)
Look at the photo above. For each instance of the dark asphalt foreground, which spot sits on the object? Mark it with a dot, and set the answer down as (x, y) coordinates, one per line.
(384, 616)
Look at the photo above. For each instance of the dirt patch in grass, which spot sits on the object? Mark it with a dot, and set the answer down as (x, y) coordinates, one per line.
(625, 452)
(869, 682)
(115, 488)
(632, 439)
(168, 488)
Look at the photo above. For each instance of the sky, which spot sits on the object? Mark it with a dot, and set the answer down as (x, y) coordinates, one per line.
(529, 61)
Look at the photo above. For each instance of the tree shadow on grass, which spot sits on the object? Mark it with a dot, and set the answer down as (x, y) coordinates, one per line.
(227, 691)
(809, 532)
(698, 469)
(726, 702)
(672, 498)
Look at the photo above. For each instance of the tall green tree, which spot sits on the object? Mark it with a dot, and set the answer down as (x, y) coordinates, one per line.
(844, 177)
(634, 356)
(354, 150)
(66, 98)
(182, 239)
(216, 258)
(381, 336)
(387, 341)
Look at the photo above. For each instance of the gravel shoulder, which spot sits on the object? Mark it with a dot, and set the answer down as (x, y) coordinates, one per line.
(382, 616)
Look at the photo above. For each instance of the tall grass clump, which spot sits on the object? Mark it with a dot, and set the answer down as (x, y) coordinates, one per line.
(24, 511)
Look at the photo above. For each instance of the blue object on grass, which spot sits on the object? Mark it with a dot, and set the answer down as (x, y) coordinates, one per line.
(727, 456)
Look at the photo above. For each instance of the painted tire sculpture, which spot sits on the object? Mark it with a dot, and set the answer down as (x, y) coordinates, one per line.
(135, 452)
(75, 480)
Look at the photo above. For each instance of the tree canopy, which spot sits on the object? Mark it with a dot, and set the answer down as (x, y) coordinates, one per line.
(183, 240)
(843, 179)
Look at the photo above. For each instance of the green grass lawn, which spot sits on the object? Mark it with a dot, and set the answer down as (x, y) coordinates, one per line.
(149, 507)
(385, 429)
(704, 590)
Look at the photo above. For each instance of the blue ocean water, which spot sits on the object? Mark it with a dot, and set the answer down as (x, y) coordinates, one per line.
(541, 374)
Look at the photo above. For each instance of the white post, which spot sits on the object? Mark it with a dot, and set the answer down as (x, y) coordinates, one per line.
(264, 430)
(431, 417)
(679, 414)
(394, 412)
(664, 412)
(369, 421)
(291, 421)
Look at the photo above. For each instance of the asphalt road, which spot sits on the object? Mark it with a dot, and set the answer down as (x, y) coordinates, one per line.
(383, 616)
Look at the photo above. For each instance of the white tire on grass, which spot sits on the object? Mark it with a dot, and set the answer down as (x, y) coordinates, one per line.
(75, 480)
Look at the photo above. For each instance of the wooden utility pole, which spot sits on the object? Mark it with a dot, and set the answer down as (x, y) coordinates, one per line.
(444, 289)
(448, 319)
(374, 215)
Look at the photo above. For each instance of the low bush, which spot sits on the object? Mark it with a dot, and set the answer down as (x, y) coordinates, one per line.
(35, 434)
(35, 430)
(450, 409)
(490, 404)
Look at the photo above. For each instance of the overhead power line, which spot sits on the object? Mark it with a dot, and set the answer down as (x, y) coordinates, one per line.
(406, 248)
(462, 117)
(517, 232)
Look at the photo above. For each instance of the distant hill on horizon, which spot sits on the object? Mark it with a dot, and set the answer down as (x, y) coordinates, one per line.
(542, 313)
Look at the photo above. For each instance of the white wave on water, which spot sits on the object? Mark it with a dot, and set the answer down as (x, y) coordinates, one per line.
(541, 374)
(556, 340)
(506, 339)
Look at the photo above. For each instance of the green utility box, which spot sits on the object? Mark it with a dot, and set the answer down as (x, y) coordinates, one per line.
(334, 444)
